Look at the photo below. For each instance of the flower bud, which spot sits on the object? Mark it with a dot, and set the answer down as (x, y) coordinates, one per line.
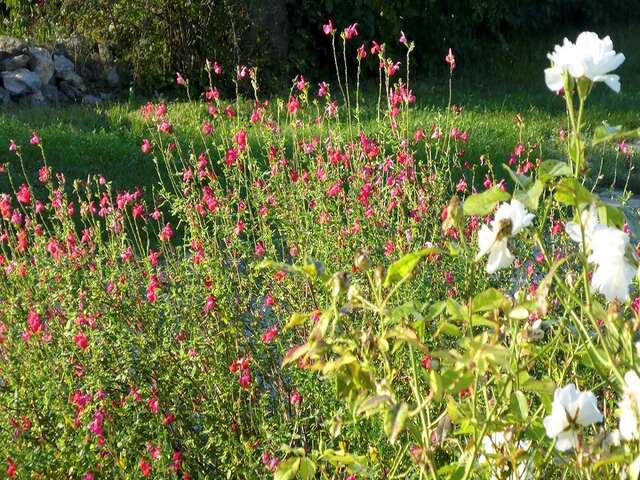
(361, 260)
(339, 283)
(378, 275)
(454, 215)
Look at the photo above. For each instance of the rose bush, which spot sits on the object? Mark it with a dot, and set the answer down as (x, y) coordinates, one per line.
(326, 312)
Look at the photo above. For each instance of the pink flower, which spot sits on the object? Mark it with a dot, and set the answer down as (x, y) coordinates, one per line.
(217, 68)
(245, 378)
(375, 48)
(12, 146)
(295, 398)
(81, 341)
(451, 60)
(11, 468)
(403, 38)
(260, 250)
(145, 467)
(180, 80)
(328, 28)
(301, 85)
(240, 139)
(167, 233)
(210, 304)
(426, 361)
(24, 195)
(207, 128)
(293, 105)
(34, 321)
(351, 31)
(35, 139)
(231, 157)
(323, 89)
(270, 334)
(361, 52)
(146, 146)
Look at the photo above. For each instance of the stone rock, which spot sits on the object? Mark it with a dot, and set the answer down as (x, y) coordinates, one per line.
(112, 78)
(62, 65)
(35, 99)
(74, 79)
(21, 81)
(91, 100)
(5, 97)
(51, 93)
(104, 53)
(14, 63)
(71, 91)
(11, 47)
(41, 63)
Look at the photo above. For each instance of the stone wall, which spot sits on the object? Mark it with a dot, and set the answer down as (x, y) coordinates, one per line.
(34, 75)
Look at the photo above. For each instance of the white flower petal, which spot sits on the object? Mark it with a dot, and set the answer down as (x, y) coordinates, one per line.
(500, 256)
(553, 78)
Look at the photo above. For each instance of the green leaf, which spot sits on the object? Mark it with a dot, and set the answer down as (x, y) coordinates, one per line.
(447, 328)
(436, 309)
(288, 469)
(520, 180)
(571, 192)
(519, 405)
(553, 168)
(395, 419)
(405, 266)
(483, 203)
(371, 404)
(406, 334)
(436, 385)
(295, 353)
(307, 470)
(488, 300)
(295, 320)
(610, 215)
(531, 197)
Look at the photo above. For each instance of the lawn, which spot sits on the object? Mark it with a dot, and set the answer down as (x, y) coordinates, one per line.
(492, 89)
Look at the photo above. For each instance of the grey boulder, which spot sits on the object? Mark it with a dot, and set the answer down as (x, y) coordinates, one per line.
(14, 63)
(21, 81)
(41, 63)
(11, 46)
(62, 65)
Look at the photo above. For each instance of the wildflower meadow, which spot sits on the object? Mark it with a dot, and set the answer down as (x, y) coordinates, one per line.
(322, 285)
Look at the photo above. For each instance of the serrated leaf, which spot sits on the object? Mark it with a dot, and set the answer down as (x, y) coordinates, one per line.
(482, 204)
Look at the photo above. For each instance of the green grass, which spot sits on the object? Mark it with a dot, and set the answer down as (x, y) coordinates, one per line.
(492, 87)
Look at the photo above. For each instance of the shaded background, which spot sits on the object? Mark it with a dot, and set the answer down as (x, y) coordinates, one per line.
(152, 39)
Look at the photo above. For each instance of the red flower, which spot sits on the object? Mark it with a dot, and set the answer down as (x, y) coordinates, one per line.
(145, 467)
(81, 341)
